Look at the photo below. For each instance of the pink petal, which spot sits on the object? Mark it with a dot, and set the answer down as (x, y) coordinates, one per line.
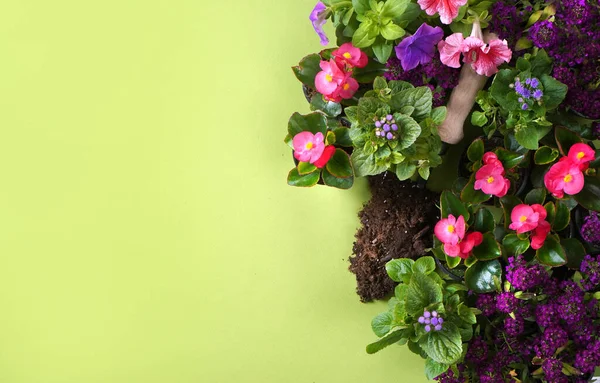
(460, 227)
(450, 50)
(452, 250)
(576, 184)
(581, 153)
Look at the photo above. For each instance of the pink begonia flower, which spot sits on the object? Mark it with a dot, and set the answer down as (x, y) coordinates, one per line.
(582, 155)
(325, 157)
(524, 218)
(308, 147)
(539, 235)
(450, 230)
(348, 55)
(490, 157)
(451, 49)
(472, 240)
(333, 83)
(490, 179)
(485, 58)
(564, 177)
(448, 9)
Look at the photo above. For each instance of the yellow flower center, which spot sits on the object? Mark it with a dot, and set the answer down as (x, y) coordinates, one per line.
(523, 218)
(580, 155)
(346, 86)
(309, 145)
(490, 180)
(328, 77)
(451, 229)
(347, 55)
(568, 178)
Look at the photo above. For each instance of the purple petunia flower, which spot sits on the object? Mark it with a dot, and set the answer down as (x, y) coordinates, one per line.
(318, 17)
(420, 47)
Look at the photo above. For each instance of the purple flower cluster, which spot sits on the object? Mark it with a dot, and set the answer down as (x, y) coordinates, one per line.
(487, 304)
(431, 320)
(385, 127)
(506, 302)
(572, 41)
(507, 22)
(552, 368)
(523, 277)
(529, 91)
(590, 269)
(439, 77)
(450, 377)
(590, 230)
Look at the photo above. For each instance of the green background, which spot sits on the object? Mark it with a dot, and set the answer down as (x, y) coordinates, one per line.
(146, 230)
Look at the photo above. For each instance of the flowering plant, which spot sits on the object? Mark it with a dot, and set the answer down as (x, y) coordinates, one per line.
(508, 290)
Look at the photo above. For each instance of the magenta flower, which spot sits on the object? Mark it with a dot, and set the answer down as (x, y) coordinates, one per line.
(526, 218)
(451, 49)
(581, 154)
(490, 178)
(448, 9)
(565, 176)
(450, 230)
(308, 147)
(318, 17)
(420, 47)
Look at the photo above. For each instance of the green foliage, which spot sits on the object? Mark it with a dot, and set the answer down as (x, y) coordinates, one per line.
(483, 277)
(307, 69)
(552, 253)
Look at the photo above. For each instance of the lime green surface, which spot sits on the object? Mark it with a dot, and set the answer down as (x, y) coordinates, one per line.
(138, 248)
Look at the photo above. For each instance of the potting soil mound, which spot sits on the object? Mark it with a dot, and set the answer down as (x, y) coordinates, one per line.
(397, 222)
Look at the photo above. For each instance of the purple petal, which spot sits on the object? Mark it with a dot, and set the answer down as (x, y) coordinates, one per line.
(318, 17)
(420, 47)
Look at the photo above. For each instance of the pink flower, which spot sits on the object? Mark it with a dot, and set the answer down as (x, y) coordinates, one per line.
(450, 50)
(308, 147)
(581, 154)
(448, 9)
(539, 235)
(490, 157)
(450, 230)
(348, 55)
(325, 157)
(525, 218)
(485, 58)
(564, 176)
(490, 179)
(333, 83)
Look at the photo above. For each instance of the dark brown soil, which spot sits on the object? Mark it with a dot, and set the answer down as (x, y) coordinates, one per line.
(397, 222)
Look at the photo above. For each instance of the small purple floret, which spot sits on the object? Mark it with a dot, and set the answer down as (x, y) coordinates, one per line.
(318, 17)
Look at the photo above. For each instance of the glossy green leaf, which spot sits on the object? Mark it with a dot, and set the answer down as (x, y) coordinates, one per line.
(509, 159)
(443, 346)
(308, 180)
(483, 276)
(554, 91)
(562, 217)
(550, 212)
(305, 168)
(400, 270)
(307, 70)
(475, 150)
(545, 155)
(337, 182)
(342, 136)
(515, 246)
(565, 139)
(314, 122)
(339, 165)
(469, 194)
(484, 221)
(422, 292)
(434, 369)
(575, 252)
(425, 265)
(589, 197)
(466, 314)
(508, 203)
(489, 249)
(386, 341)
(405, 170)
(451, 204)
(394, 8)
(452, 262)
(537, 195)
(382, 51)
(330, 108)
(479, 119)
(552, 253)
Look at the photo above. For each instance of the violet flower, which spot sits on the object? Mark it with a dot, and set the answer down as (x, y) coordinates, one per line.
(318, 17)
(420, 47)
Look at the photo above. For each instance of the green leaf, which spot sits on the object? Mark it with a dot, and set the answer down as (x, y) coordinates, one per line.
(515, 246)
(508, 203)
(400, 270)
(479, 119)
(484, 221)
(500, 89)
(575, 252)
(552, 253)
(379, 83)
(489, 248)
(392, 32)
(434, 369)
(509, 159)
(394, 8)
(475, 150)
(364, 36)
(408, 130)
(444, 346)
(332, 109)
(537, 195)
(424, 172)
(550, 211)
(565, 139)
(382, 324)
(422, 292)
(289, 140)
(425, 265)
(365, 164)
(367, 74)
(589, 196)
(450, 204)
(405, 170)
(545, 155)
(480, 277)
(305, 168)
(382, 51)
(562, 217)
(388, 340)
(342, 136)
(438, 115)
(541, 64)
(554, 91)
(339, 165)
(361, 6)
(401, 291)
(452, 262)
(308, 180)
(313, 122)
(336, 182)
(420, 98)
(307, 70)
(529, 135)
(466, 314)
